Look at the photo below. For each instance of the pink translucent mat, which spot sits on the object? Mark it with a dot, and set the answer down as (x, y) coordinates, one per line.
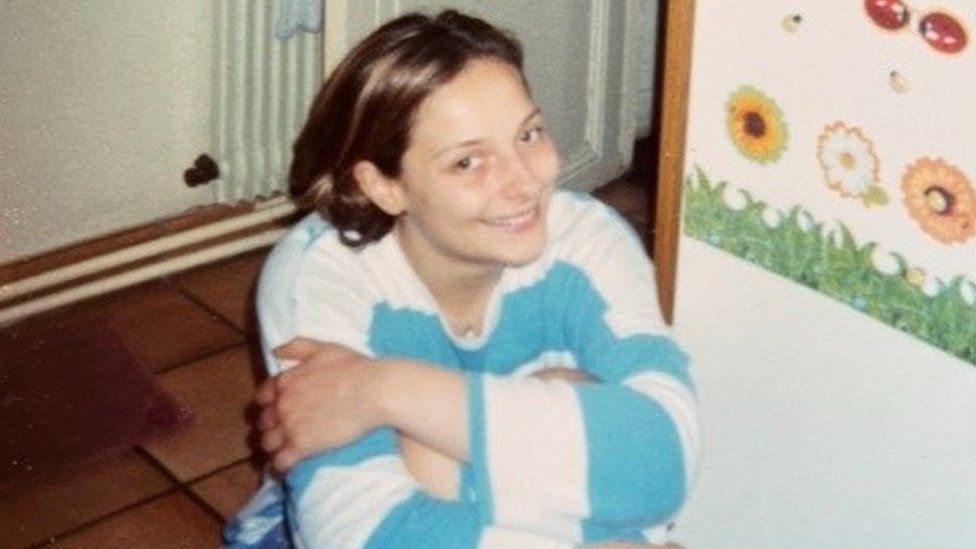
(72, 394)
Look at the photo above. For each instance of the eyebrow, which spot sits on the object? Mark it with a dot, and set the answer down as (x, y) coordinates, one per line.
(470, 142)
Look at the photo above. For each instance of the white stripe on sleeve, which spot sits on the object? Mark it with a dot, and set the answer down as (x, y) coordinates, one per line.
(342, 506)
(536, 455)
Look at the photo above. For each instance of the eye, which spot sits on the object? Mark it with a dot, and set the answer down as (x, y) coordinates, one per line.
(532, 134)
(466, 163)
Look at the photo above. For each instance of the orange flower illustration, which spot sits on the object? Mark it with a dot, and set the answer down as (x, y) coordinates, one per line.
(755, 125)
(941, 198)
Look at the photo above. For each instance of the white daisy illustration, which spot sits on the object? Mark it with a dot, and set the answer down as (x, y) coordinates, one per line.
(849, 164)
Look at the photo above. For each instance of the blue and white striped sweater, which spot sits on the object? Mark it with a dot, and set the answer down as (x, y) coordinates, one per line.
(551, 464)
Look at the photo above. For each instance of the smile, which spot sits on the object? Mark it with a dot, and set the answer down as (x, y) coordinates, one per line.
(517, 222)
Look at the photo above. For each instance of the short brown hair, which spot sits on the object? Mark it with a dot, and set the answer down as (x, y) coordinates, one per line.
(365, 111)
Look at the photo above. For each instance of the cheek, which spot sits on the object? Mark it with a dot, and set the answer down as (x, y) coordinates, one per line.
(544, 163)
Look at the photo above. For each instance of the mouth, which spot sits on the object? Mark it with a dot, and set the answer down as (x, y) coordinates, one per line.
(518, 222)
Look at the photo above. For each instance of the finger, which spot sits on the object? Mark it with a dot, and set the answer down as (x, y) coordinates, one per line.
(284, 459)
(267, 393)
(299, 348)
(268, 419)
(273, 440)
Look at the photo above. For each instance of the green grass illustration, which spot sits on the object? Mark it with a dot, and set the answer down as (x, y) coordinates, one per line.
(835, 265)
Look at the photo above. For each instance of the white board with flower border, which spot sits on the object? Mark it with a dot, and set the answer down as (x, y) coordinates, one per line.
(835, 143)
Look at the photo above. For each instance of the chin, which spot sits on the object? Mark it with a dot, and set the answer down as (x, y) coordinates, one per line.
(518, 256)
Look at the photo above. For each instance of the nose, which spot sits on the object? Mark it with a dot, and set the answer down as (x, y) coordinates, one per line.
(518, 180)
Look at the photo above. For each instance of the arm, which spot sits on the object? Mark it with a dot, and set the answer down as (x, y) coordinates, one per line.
(360, 493)
(533, 444)
(633, 427)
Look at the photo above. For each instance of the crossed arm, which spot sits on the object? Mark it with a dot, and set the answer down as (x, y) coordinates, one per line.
(336, 396)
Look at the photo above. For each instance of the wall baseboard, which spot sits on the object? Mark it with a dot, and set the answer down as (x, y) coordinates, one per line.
(88, 269)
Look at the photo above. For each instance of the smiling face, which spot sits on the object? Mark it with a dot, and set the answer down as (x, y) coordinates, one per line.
(475, 181)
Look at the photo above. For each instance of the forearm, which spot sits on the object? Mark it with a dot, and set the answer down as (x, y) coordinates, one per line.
(430, 405)
(554, 451)
(439, 474)
(425, 403)
(549, 455)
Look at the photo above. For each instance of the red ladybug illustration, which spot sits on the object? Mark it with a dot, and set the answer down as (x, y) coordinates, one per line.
(943, 32)
(887, 14)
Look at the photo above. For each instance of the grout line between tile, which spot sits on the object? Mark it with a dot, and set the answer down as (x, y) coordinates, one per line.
(182, 487)
(176, 487)
(220, 469)
(203, 305)
(204, 356)
(85, 525)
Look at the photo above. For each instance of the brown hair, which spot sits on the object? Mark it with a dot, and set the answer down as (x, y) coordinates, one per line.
(365, 110)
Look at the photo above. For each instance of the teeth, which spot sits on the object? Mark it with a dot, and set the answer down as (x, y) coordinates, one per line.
(512, 220)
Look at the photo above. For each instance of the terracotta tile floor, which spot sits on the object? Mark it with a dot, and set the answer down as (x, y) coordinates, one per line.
(196, 331)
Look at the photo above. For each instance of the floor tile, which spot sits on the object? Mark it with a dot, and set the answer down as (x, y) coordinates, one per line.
(227, 287)
(173, 522)
(74, 497)
(158, 324)
(218, 391)
(228, 490)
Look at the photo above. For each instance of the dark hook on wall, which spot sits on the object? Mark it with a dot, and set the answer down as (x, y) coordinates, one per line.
(204, 170)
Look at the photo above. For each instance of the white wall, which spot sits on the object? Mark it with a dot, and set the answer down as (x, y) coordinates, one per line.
(823, 427)
(103, 104)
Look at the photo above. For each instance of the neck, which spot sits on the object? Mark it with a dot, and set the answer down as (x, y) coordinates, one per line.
(461, 289)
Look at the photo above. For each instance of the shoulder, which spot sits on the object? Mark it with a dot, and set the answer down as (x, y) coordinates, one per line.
(286, 259)
(315, 286)
(311, 252)
(582, 230)
(598, 249)
(308, 261)
(274, 296)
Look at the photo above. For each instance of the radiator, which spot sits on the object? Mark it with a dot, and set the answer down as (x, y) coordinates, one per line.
(263, 88)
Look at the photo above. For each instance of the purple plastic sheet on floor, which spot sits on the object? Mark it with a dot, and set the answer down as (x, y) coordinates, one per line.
(71, 393)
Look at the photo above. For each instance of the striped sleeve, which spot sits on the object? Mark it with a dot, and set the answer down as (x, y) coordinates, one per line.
(590, 462)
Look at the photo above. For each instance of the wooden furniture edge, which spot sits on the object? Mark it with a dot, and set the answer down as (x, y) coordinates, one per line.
(673, 111)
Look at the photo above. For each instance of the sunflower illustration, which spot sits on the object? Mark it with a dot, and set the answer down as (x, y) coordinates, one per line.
(941, 198)
(849, 163)
(756, 125)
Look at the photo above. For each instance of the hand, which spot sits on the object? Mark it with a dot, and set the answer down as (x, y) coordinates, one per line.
(320, 404)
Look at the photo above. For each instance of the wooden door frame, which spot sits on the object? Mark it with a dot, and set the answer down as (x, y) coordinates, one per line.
(672, 116)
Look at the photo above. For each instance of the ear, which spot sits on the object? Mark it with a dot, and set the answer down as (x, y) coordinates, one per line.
(385, 192)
